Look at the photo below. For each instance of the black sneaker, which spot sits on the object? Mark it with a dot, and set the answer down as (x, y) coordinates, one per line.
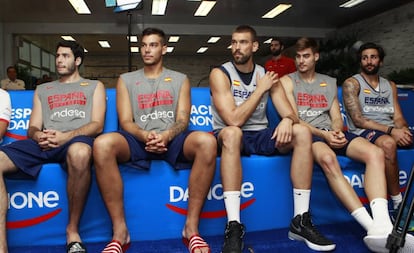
(394, 214)
(302, 229)
(233, 238)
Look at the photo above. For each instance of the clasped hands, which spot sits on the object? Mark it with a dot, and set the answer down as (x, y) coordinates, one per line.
(156, 143)
(49, 138)
(335, 139)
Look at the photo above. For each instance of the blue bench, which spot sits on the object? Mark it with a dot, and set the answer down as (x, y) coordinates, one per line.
(156, 200)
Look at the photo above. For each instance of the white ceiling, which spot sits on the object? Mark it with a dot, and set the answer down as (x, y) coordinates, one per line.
(43, 21)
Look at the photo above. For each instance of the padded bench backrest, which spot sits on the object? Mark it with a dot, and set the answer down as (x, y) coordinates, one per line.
(200, 118)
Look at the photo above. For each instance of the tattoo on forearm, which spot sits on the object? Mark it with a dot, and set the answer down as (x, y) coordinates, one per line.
(178, 127)
(350, 92)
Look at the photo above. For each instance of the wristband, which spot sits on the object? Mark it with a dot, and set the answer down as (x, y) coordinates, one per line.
(293, 118)
(390, 130)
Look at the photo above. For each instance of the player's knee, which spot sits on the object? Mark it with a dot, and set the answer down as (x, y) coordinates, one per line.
(231, 135)
(302, 134)
(79, 153)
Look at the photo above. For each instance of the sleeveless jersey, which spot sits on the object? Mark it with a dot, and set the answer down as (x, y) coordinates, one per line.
(66, 106)
(241, 92)
(314, 100)
(376, 105)
(154, 101)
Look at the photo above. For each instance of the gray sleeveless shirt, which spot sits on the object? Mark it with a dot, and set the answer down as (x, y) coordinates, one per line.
(314, 100)
(154, 101)
(377, 105)
(66, 106)
(241, 92)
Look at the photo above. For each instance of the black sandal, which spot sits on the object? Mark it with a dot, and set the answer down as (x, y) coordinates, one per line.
(75, 247)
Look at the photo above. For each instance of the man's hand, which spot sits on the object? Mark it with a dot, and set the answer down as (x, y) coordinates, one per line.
(42, 140)
(335, 139)
(267, 81)
(283, 133)
(156, 143)
(402, 136)
(55, 138)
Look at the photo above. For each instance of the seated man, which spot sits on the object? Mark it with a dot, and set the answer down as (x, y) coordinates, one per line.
(5, 112)
(151, 90)
(314, 96)
(11, 82)
(240, 90)
(65, 138)
(373, 112)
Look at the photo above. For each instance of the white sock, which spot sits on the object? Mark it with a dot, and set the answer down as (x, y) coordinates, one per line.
(382, 222)
(362, 216)
(301, 199)
(396, 200)
(232, 204)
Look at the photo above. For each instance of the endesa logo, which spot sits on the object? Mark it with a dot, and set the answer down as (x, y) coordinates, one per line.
(179, 194)
(32, 200)
(357, 181)
(19, 123)
(201, 115)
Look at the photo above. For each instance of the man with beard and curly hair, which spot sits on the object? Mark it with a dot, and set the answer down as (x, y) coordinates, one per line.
(373, 112)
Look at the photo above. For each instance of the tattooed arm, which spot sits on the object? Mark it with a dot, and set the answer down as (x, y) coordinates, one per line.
(182, 112)
(350, 92)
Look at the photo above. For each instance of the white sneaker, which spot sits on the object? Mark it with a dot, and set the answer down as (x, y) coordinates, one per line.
(377, 243)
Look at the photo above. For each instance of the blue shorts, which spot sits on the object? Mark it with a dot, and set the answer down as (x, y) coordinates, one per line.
(141, 159)
(339, 151)
(373, 135)
(257, 142)
(29, 157)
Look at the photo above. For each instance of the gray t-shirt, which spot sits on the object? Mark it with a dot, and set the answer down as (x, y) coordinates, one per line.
(376, 105)
(241, 91)
(314, 100)
(154, 101)
(66, 106)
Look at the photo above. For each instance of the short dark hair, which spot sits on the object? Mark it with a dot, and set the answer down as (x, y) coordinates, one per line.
(77, 49)
(278, 40)
(371, 45)
(11, 67)
(305, 42)
(156, 31)
(246, 28)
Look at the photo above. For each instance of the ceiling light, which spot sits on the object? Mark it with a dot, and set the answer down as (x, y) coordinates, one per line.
(202, 50)
(110, 3)
(80, 6)
(267, 41)
(67, 37)
(204, 8)
(133, 38)
(174, 39)
(134, 49)
(104, 44)
(229, 47)
(123, 5)
(213, 39)
(277, 10)
(85, 50)
(159, 6)
(170, 49)
(351, 3)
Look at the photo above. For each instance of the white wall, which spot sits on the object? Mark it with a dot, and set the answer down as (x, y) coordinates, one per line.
(394, 30)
